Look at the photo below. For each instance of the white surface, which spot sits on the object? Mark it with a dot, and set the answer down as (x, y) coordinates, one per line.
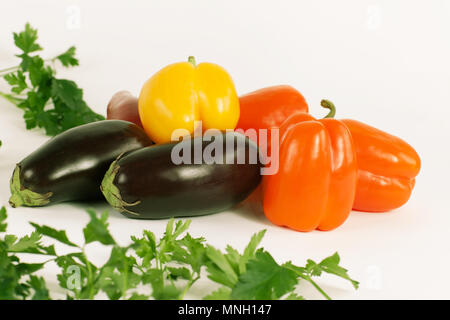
(382, 62)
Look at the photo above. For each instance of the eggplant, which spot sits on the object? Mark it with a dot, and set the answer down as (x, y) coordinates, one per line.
(152, 183)
(71, 165)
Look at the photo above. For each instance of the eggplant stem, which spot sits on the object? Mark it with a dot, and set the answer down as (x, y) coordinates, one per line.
(23, 196)
(112, 193)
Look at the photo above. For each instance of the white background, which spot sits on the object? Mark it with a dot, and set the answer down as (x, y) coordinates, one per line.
(383, 62)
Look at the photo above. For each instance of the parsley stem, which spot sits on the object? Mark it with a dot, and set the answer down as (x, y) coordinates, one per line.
(188, 286)
(11, 98)
(88, 265)
(317, 287)
(11, 69)
(125, 279)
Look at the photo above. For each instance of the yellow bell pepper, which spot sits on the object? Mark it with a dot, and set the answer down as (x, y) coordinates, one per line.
(183, 93)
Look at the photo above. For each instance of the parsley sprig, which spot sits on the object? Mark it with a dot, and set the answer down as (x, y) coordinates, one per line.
(48, 102)
(152, 269)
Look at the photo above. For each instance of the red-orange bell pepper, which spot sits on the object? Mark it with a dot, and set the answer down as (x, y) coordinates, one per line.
(268, 108)
(387, 168)
(315, 185)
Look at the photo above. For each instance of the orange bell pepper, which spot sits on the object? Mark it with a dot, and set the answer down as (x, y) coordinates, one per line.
(268, 108)
(387, 168)
(315, 185)
(387, 164)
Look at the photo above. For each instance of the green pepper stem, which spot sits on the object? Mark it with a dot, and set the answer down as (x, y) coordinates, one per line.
(191, 59)
(328, 105)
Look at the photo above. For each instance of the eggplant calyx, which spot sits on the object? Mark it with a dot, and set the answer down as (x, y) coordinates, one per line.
(23, 196)
(112, 193)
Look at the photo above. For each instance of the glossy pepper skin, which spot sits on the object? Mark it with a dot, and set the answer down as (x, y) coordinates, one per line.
(387, 168)
(269, 107)
(182, 93)
(316, 181)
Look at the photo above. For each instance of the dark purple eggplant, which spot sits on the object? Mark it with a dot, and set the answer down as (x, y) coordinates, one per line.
(72, 165)
(149, 184)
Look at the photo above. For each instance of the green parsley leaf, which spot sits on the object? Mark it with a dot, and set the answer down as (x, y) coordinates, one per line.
(67, 92)
(171, 266)
(117, 276)
(68, 58)
(9, 280)
(219, 268)
(264, 279)
(161, 291)
(190, 251)
(52, 104)
(17, 80)
(59, 235)
(70, 265)
(97, 229)
(39, 287)
(294, 296)
(179, 273)
(36, 70)
(145, 247)
(138, 296)
(250, 250)
(26, 40)
(48, 250)
(28, 268)
(331, 265)
(234, 258)
(3, 217)
(223, 293)
(25, 243)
